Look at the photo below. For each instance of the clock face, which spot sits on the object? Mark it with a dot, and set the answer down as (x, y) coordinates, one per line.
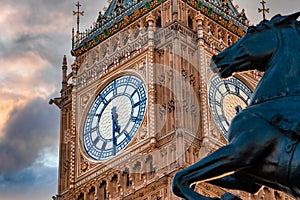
(226, 98)
(114, 117)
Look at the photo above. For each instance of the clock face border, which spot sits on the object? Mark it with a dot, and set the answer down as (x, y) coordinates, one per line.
(134, 89)
(219, 90)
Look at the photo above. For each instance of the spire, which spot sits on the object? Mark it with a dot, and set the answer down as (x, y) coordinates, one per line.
(264, 10)
(78, 13)
(65, 60)
(64, 73)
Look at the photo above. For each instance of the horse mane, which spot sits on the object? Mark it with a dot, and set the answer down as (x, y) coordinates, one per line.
(280, 21)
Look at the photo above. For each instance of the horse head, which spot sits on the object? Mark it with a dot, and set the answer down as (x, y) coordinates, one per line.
(256, 48)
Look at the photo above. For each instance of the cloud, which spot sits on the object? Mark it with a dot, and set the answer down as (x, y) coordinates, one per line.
(11, 19)
(29, 151)
(35, 35)
(34, 17)
(30, 131)
(34, 38)
(43, 27)
(24, 76)
(34, 183)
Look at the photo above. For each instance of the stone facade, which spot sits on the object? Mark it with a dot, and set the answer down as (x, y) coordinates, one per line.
(168, 43)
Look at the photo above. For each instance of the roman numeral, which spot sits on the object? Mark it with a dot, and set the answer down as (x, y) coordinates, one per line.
(137, 104)
(237, 90)
(126, 134)
(88, 145)
(218, 103)
(133, 93)
(93, 114)
(94, 129)
(96, 140)
(88, 131)
(227, 88)
(104, 101)
(136, 89)
(223, 118)
(104, 145)
(135, 119)
(115, 88)
(101, 99)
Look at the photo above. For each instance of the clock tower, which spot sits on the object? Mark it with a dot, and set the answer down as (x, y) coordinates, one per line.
(141, 103)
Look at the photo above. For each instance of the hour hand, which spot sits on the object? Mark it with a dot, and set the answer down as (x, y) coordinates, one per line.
(114, 114)
(117, 128)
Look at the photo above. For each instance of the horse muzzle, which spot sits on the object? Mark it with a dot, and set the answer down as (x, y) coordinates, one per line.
(214, 68)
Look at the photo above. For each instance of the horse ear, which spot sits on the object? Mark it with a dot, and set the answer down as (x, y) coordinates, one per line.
(281, 20)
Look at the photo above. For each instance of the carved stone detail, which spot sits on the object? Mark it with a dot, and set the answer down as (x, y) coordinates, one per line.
(143, 130)
(162, 79)
(84, 166)
(171, 105)
(67, 136)
(131, 180)
(162, 111)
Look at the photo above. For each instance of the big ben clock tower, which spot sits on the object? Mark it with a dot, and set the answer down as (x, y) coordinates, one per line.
(141, 103)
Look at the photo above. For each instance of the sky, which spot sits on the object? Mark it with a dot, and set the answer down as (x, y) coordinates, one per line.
(35, 34)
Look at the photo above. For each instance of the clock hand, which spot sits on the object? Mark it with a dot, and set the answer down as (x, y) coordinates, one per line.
(115, 128)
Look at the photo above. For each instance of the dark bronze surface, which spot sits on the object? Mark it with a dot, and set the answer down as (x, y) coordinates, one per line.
(263, 148)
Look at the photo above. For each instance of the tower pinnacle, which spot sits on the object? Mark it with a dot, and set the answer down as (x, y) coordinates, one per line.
(264, 10)
(78, 13)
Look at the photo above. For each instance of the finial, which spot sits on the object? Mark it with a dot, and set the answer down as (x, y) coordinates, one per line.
(264, 10)
(78, 13)
(101, 17)
(64, 73)
(65, 60)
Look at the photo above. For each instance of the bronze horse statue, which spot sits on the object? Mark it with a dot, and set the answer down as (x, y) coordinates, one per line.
(263, 140)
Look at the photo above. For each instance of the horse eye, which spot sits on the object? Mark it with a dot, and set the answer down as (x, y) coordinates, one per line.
(251, 29)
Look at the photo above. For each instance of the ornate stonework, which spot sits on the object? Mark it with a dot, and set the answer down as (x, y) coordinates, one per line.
(168, 44)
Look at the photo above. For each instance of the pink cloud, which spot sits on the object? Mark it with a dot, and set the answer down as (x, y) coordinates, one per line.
(21, 82)
(17, 20)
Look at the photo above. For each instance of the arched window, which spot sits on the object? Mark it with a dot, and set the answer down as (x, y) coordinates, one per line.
(102, 190)
(159, 22)
(190, 22)
(80, 197)
(126, 178)
(91, 194)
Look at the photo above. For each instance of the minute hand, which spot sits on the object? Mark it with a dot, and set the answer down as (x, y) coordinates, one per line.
(115, 128)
